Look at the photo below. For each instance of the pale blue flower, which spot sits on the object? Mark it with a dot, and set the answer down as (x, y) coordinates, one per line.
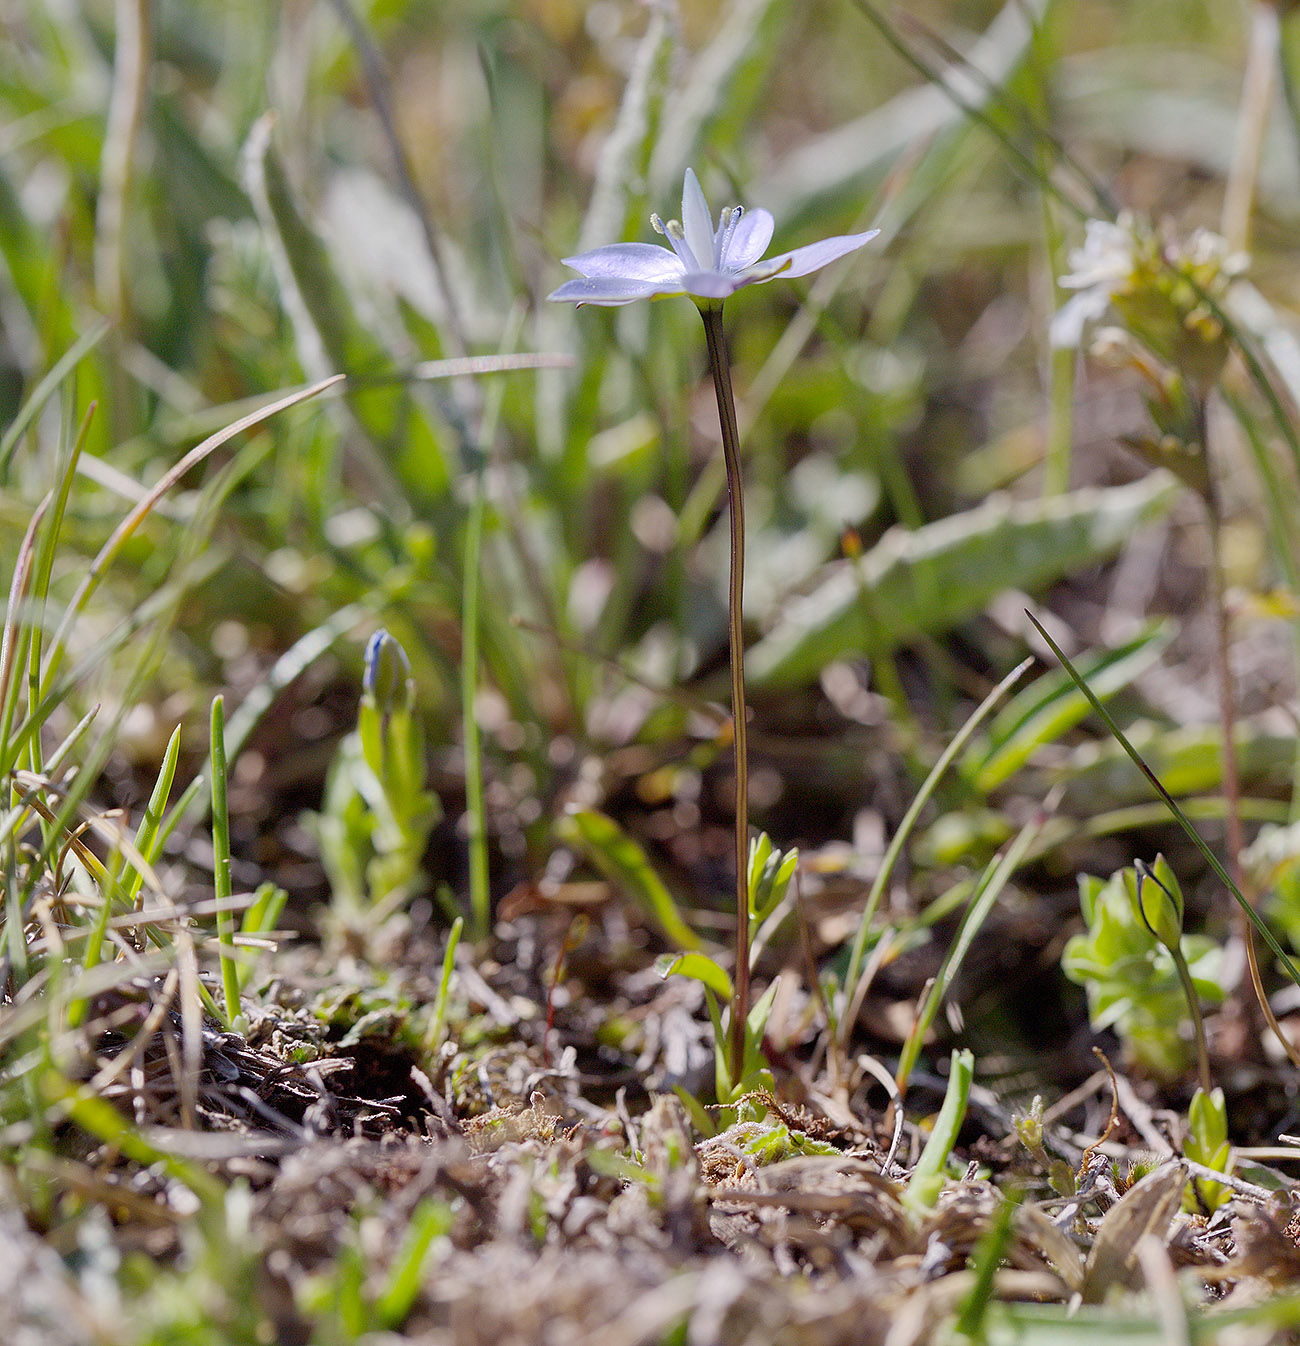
(707, 263)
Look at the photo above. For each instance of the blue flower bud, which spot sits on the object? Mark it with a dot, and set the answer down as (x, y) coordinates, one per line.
(386, 681)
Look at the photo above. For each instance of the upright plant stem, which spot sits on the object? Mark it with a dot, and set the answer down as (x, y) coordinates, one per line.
(1234, 834)
(721, 369)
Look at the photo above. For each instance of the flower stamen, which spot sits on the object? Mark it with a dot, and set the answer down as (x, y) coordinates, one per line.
(676, 235)
(727, 222)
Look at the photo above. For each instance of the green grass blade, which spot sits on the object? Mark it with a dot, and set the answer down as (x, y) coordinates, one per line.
(1053, 705)
(430, 1219)
(433, 1039)
(45, 389)
(127, 528)
(900, 837)
(986, 893)
(44, 567)
(146, 837)
(475, 804)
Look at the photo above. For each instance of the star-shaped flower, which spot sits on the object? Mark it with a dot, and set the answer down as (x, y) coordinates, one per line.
(707, 263)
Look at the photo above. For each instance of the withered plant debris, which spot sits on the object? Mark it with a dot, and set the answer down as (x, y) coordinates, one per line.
(570, 1203)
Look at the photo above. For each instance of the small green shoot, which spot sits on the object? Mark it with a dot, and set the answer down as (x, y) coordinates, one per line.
(147, 834)
(377, 815)
(430, 1220)
(1029, 1127)
(987, 1257)
(928, 1177)
(1207, 1144)
(433, 1039)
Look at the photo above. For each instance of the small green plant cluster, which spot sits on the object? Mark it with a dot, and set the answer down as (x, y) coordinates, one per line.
(769, 875)
(1128, 964)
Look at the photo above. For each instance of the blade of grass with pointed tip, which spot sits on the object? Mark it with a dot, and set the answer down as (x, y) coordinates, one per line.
(47, 546)
(433, 1039)
(1043, 712)
(124, 531)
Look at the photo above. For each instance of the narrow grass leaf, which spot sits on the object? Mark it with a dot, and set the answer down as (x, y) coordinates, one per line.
(904, 830)
(45, 389)
(622, 861)
(986, 893)
(430, 1220)
(1043, 712)
(433, 1039)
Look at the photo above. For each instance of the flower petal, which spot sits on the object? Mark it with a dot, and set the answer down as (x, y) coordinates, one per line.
(611, 290)
(712, 284)
(749, 240)
(817, 255)
(696, 222)
(629, 261)
(1073, 317)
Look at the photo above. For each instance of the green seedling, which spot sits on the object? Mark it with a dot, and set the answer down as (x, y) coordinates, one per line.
(433, 1038)
(769, 873)
(1132, 977)
(989, 1251)
(1029, 1127)
(928, 1177)
(1207, 1144)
